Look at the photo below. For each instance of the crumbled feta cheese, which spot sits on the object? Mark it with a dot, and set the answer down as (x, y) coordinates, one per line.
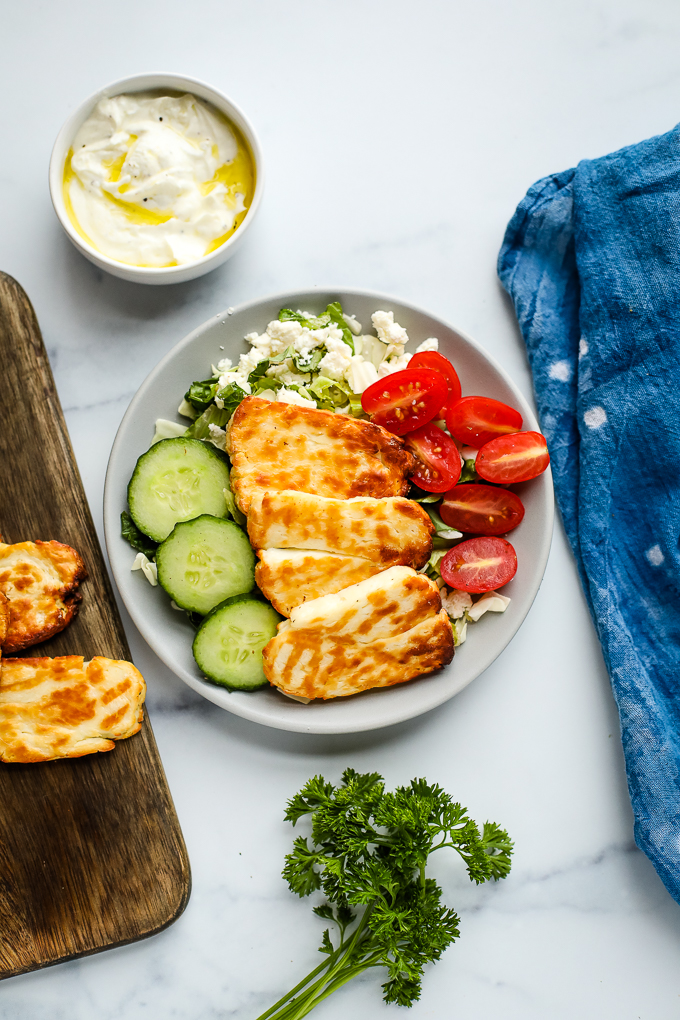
(490, 602)
(218, 437)
(306, 342)
(293, 397)
(238, 378)
(353, 324)
(167, 430)
(428, 345)
(361, 374)
(147, 567)
(285, 333)
(456, 603)
(223, 365)
(338, 360)
(393, 365)
(389, 331)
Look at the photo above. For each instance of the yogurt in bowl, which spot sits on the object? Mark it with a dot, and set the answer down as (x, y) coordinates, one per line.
(156, 178)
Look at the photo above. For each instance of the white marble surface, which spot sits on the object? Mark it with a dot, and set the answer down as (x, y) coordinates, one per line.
(399, 138)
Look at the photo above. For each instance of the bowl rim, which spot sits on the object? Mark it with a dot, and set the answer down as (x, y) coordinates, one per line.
(136, 83)
(220, 696)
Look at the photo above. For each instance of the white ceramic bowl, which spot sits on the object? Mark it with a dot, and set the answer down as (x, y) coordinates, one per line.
(169, 632)
(143, 83)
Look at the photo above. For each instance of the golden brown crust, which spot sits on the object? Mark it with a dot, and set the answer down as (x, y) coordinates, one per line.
(65, 707)
(328, 667)
(383, 631)
(289, 577)
(386, 531)
(4, 619)
(41, 580)
(273, 445)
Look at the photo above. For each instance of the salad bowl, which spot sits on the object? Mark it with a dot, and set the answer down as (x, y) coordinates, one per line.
(170, 633)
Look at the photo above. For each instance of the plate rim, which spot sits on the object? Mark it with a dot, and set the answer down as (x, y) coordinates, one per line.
(216, 694)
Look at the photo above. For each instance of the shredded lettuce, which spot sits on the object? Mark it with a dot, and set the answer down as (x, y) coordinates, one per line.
(444, 534)
(139, 541)
(166, 429)
(231, 396)
(201, 394)
(421, 496)
(233, 510)
(335, 312)
(311, 322)
(329, 393)
(468, 473)
(213, 415)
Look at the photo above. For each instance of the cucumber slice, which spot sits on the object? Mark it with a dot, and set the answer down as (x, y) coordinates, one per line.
(176, 480)
(205, 561)
(228, 645)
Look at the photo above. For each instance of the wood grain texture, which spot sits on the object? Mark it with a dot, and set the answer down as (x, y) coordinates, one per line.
(91, 852)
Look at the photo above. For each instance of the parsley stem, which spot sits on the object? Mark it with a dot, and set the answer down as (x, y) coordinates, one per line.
(293, 1006)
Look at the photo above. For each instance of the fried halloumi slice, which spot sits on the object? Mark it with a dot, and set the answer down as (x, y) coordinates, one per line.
(289, 577)
(273, 445)
(388, 531)
(4, 619)
(41, 580)
(65, 707)
(383, 631)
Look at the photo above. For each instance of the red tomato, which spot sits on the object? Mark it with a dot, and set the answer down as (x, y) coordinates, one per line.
(405, 400)
(515, 458)
(438, 463)
(481, 509)
(438, 363)
(480, 564)
(477, 420)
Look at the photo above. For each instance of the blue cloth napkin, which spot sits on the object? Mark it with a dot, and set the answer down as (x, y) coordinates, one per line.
(591, 259)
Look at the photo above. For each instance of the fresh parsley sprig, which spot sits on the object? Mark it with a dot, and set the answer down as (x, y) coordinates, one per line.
(368, 850)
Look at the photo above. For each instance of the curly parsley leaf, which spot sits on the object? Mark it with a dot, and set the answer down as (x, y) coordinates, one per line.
(369, 849)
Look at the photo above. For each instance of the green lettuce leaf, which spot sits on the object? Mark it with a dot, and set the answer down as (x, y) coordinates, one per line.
(468, 473)
(329, 393)
(213, 415)
(231, 395)
(139, 541)
(201, 394)
(335, 312)
(312, 322)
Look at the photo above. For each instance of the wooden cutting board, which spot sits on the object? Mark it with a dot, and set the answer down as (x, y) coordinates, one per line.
(91, 852)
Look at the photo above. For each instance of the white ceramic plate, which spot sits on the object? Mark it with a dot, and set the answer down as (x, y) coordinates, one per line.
(170, 634)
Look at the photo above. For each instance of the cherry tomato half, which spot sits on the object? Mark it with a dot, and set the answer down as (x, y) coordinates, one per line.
(405, 400)
(481, 509)
(480, 564)
(515, 458)
(438, 463)
(477, 420)
(438, 363)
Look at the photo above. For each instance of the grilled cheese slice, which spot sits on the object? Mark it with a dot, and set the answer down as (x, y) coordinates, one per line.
(41, 580)
(383, 631)
(387, 531)
(4, 619)
(289, 577)
(65, 707)
(273, 445)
